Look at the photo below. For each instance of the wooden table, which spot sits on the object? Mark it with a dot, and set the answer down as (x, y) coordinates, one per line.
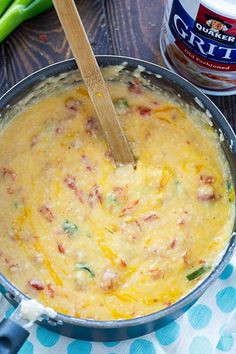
(122, 27)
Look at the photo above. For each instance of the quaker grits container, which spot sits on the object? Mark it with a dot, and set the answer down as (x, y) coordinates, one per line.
(198, 41)
(89, 329)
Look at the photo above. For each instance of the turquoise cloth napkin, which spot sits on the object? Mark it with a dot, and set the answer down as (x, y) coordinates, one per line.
(207, 328)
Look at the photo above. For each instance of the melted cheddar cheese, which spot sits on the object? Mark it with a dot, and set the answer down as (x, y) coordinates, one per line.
(93, 240)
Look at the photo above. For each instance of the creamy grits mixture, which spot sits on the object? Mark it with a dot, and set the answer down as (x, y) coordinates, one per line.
(93, 240)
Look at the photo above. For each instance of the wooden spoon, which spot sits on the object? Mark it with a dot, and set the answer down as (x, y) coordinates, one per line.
(92, 76)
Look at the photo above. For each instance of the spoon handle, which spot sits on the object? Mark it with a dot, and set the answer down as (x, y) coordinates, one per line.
(92, 76)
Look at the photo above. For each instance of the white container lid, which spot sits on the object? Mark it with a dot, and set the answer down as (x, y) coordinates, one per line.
(226, 8)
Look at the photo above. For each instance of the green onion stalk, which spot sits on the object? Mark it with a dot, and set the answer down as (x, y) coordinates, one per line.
(4, 5)
(14, 12)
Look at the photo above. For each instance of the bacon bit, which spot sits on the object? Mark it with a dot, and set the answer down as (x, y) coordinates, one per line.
(72, 105)
(156, 273)
(98, 194)
(91, 126)
(188, 142)
(51, 290)
(173, 244)
(34, 141)
(9, 174)
(144, 111)
(47, 213)
(181, 222)
(70, 182)
(120, 194)
(59, 130)
(132, 205)
(123, 263)
(10, 190)
(14, 268)
(186, 258)
(43, 37)
(61, 248)
(156, 103)
(86, 162)
(119, 191)
(36, 284)
(109, 280)
(207, 179)
(206, 193)
(80, 194)
(201, 261)
(168, 303)
(150, 217)
(138, 224)
(95, 196)
(135, 87)
(7, 260)
(174, 116)
(108, 155)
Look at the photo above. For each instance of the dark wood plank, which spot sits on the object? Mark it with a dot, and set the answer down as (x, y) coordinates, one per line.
(3, 71)
(228, 106)
(134, 27)
(41, 41)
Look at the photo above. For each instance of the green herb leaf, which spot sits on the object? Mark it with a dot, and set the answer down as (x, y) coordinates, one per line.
(3, 5)
(179, 187)
(16, 205)
(230, 191)
(229, 185)
(198, 272)
(69, 227)
(86, 267)
(121, 105)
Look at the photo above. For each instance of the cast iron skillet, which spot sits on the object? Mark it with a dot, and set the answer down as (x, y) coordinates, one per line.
(123, 329)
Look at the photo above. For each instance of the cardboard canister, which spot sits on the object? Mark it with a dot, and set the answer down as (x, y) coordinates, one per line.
(198, 41)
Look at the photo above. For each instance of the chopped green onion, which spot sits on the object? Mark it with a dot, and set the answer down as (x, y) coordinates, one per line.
(86, 267)
(69, 227)
(121, 105)
(4, 4)
(111, 232)
(49, 126)
(198, 272)
(111, 198)
(17, 205)
(230, 191)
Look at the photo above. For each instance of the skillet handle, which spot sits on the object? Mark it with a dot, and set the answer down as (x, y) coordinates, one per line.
(12, 337)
